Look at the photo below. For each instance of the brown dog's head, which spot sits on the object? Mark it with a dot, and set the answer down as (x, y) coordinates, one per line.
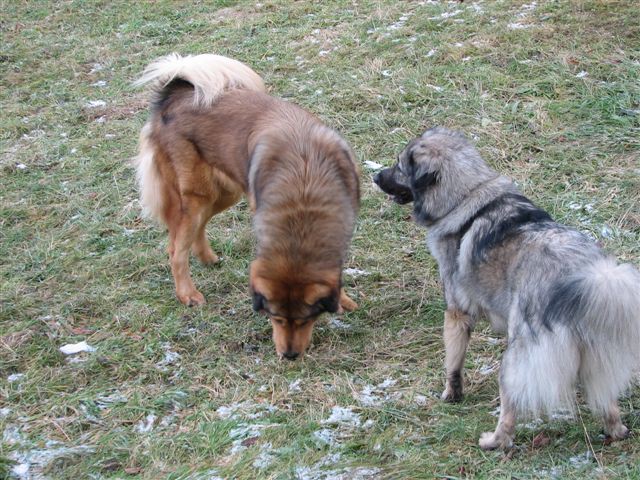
(436, 172)
(292, 304)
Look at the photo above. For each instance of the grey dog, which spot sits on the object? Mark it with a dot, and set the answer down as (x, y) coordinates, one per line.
(571, 313)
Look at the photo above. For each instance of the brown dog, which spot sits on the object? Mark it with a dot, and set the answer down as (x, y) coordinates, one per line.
(214, 135)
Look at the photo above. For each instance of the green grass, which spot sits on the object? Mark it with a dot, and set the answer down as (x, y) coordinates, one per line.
(78, 263)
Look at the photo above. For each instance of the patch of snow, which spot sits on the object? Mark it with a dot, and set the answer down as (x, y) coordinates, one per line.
(95, 104)
(12, 435)
(246, 409)
(32, 464)
(105, 401)
(73, 348)
(562, 415)
(373, 165)
(355, 272)
(420, 400)
(487, 369)
(294, 386)
(338, 324)
(99, 83)
(242, 433)
(430, 53)
(435, 87)
(146, 425)
(5, 412)
(581, 460)
(265, 458)
(14, 377)
(372, 396)
(21, 166)
(326, 436)
(343, 416)
(582, 74)
(96, 68)
(606, 231)
(170, 358)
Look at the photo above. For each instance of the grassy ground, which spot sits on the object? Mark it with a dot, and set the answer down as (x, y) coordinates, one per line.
(550, 92)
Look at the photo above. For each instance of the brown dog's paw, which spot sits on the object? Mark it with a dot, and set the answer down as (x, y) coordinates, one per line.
(208, 258)
(346, 304)
(192, 299)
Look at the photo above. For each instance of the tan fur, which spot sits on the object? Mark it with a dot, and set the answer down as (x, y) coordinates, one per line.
(205, 147)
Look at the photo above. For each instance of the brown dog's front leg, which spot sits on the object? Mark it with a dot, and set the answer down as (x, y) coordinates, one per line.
(346, 303)
(457, 331)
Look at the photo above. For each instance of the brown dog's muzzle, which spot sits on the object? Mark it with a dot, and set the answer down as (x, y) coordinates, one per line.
(291, 337)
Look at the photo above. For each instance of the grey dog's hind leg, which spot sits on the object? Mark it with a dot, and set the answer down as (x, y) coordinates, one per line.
(457, 331)
(502, 437)
(613, 426)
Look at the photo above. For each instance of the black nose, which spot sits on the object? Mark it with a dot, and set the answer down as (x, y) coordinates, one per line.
(290, 355)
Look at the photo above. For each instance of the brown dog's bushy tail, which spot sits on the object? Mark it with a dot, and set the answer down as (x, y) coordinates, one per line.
(210, 75)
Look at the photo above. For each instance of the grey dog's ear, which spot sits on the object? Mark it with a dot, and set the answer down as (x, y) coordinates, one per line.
(420, 175)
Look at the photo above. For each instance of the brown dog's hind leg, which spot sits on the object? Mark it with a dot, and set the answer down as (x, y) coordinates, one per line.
(457, 331)
(201, 247)
(502, 437)
(183, 223)
(346, 303)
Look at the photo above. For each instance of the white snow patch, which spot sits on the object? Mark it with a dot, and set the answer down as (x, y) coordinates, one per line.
(431, 53)
(99, 83)
(14, 377)
(21, 166)
(294, 386)
(318, 471)
(246, 409)
(355, 272)
(338, 324)
(435, 87)
(487, 369)
(105, 401)
(421, 400)
(170, 358)
(95, 103)
(373, 165)
(372, 396)
(146, 425)
(265, 458)
(326, 436)
(96, 68)
(32, 464)
(5, 412)
(446, 15)
(242, 433)
(343, 416)
(73, 348)
(581, 460)
(582, 74)
(12, 435)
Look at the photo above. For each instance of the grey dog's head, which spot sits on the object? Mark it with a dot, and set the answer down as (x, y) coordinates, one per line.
(435, 172)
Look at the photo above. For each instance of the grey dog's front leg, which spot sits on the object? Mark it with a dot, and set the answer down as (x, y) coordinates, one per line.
(457, 331)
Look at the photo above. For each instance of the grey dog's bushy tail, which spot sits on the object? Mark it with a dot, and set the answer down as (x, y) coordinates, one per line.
(602, 301)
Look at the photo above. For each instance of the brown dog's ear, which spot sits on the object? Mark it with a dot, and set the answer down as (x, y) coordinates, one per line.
(316, 291)
(261, 288)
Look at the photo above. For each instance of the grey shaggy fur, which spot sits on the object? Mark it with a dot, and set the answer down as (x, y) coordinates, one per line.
(571, 312)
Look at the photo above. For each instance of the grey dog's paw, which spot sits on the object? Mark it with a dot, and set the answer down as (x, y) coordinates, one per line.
(493, 440)
(451, 396)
